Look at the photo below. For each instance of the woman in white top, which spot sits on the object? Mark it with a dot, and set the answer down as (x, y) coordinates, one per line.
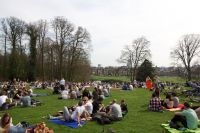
(76, 115)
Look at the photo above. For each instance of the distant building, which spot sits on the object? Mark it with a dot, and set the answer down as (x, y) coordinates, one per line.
(124, 71)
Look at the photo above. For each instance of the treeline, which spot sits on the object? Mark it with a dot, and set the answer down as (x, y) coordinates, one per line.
(44, 50)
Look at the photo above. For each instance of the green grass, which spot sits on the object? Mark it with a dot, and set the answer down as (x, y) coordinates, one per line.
(138, 120)
(172, 79)
(119, 78)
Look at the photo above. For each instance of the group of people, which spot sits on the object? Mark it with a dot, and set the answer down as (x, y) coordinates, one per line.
(187, 118)
(21, 98)
(90, 104)
(78, 90)
(157, 104)
(88, 108)
(7, 126)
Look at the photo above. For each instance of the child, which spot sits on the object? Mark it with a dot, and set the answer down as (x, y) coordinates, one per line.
(124, 107)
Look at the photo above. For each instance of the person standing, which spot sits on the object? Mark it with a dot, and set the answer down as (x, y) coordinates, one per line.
(149, 83)
(62, 84)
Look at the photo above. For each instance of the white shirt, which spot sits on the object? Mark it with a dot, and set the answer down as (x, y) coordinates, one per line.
(62, 81)
(79, 110)
(88, 107)
(3, 99)
(116, 110)
(65, 92)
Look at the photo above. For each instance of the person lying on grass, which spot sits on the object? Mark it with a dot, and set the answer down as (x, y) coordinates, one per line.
(6, 125)
(77, 115)
(188, 118)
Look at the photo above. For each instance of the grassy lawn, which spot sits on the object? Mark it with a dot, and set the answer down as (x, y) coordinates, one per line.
(120, 78)
(138, 120)
(172, 79)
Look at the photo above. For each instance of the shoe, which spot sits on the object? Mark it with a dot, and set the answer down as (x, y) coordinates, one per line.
(49, 116)
(169, 121)
(43, 117)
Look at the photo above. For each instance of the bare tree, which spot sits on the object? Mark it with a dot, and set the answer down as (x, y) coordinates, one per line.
(63, 34)
(78, 49)
(186, 50)
(133, 55)
(14, 28)
(5, 36)
(42, 34)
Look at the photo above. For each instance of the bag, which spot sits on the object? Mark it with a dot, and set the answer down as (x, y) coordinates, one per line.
(103, 120)
(24, 124)
(173, 125)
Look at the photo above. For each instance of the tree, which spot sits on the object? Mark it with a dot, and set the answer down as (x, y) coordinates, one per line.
(42, 34)
(133, 55)
(63, 34)
(64, 55)
(77, 52)
(13, 28)
(186, 50)
(33, 33)
(4, 36)
(145, 69)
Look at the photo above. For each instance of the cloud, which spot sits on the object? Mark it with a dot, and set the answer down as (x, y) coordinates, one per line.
(115, 23)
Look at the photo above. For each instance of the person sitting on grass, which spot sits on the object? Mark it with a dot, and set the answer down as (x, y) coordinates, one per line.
(17, 96)
(88, 105)
(3, 97)
(175, 100)
(26, 100)
(157, 91)
(168, 103)
(155, 103)
(188, 118)
(113, 111)
(124, 107)
(97, 105)
(77, 115)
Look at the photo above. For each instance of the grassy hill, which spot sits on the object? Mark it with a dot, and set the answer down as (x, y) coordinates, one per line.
(138, 120)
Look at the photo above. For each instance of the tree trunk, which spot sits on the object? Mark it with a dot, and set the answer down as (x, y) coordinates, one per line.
(189, 75)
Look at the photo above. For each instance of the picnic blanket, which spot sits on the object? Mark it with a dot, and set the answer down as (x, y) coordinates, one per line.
(182, 130)
(72, 123)
(180, 107)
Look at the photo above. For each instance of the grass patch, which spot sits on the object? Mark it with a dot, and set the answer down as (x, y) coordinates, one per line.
(172, 79)
(138, 120)
(110, 78)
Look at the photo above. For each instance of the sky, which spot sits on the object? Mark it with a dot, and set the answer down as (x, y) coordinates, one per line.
(113, 24)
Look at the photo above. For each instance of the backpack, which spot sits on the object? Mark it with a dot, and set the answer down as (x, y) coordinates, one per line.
(103, 120)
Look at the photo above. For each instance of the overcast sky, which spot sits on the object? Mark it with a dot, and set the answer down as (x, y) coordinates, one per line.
(116, 23)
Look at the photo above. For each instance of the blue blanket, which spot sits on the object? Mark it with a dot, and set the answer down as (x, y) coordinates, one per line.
(72, 123)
